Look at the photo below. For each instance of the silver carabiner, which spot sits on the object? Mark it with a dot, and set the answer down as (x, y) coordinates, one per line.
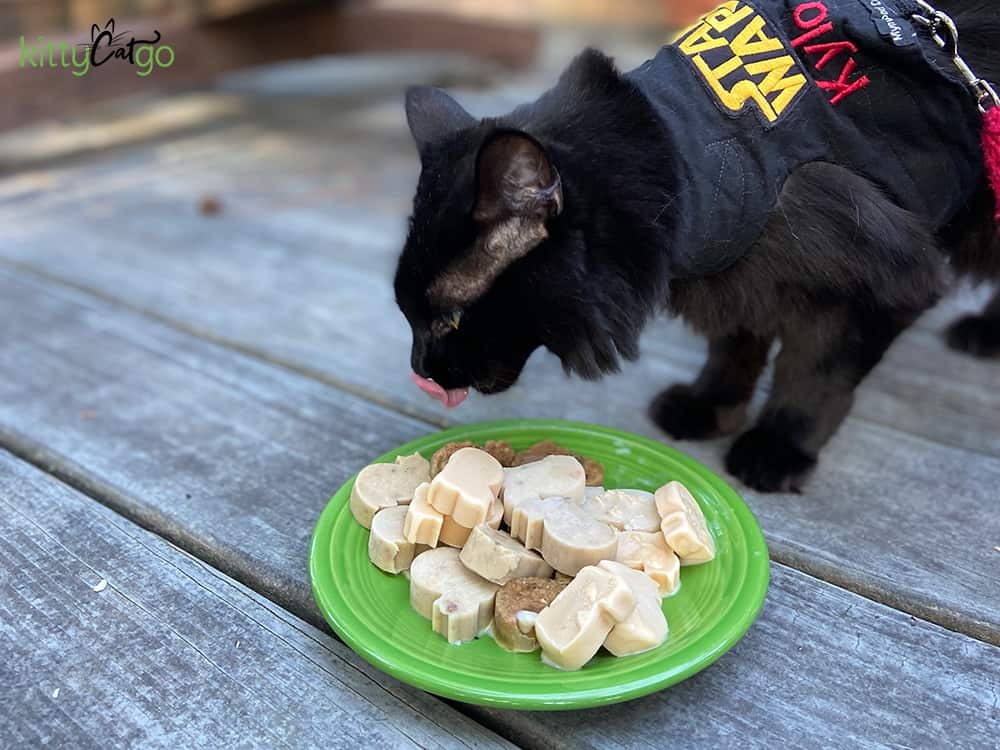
(936, 20)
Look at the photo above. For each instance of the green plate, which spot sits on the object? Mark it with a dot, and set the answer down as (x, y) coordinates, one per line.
(717, 601)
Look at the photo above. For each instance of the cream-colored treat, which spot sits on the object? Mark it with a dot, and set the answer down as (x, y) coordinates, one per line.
(458, 603)
(423, 523)
(576, 624)
(387, 546)
(646, 627)
(455, 535)
(384, 485)
(589, 492)
(553, 476)
(567, 538)
(684, 525)
(497, 557)
(648, 552)
(593, 470)
(467, 486)
(518, 603)
(626, 510)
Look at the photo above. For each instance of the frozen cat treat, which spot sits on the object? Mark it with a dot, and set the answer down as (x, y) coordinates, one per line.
(531, 547)
(455, 535)
(385, 485)
(594, 470)
(626, 510)
(387, 546)
(648, 551)
(552, 476)
(518, 603)
(499, 449)
(567, 538)
(646, 627)
(467, 486)
(446, 451)
(422, 523)
(576, 624)
(684, 525)
(458, 603)
(497, 557)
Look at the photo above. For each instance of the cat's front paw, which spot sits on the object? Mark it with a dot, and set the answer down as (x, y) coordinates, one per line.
(684, 415)
(975, 335)
(767, 461)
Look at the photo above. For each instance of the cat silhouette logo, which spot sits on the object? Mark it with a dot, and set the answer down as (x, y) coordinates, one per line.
(720, 48)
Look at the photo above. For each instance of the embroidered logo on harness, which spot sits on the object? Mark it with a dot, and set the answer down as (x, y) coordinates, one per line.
(743, 61)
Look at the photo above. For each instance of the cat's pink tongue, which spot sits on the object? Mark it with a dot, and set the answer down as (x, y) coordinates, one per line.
(448, 398)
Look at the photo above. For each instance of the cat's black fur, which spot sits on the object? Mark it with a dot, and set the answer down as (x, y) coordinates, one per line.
(553, 211)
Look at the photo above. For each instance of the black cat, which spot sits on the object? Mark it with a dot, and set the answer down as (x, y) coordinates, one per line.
(570, 221)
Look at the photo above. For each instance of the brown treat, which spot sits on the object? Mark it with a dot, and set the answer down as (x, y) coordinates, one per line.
(501, 451)
(209, 205)
(593, 469)
(527, 596)
(442, 454)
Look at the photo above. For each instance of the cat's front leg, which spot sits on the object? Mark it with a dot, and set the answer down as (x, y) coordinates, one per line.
(821, 363)
(716, 402)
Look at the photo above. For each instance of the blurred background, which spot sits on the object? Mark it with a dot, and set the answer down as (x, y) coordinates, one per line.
(216, 37)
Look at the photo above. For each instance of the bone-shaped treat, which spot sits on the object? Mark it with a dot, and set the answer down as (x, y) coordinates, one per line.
(497, 557)
(388, 548)
(648, 552)
(422, 524)
(626, 510)
(467, 486)
(553, 476)
(458, 603)
(684, 525)
(385, 485)
(426, 525)
(576, 624)
(567, 538)
(646, 627)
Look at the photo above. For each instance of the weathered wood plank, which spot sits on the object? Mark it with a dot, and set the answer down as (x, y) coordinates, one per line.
(208, 448)
(819, 669)
(235, 459)
(296, 268)
(115, 638)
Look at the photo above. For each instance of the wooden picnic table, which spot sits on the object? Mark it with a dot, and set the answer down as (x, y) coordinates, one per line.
(181, 393)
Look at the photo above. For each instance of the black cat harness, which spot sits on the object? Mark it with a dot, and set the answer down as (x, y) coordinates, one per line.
(756, 89)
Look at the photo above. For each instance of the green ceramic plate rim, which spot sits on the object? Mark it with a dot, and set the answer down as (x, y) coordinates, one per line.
(739, 617)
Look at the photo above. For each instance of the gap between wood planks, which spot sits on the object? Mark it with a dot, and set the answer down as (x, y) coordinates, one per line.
(28, 450)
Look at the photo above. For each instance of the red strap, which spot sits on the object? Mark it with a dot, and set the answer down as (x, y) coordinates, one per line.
(991, 151)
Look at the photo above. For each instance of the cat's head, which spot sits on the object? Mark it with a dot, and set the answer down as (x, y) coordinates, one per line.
(499, 258)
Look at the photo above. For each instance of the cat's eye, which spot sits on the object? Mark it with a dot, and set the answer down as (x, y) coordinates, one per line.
(446, 323)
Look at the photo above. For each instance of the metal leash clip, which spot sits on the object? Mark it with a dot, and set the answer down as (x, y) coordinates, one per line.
(944, 32)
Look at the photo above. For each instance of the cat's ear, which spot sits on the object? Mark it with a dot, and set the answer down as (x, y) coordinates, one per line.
(516, 179)
(518, 190)
(432, 115)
